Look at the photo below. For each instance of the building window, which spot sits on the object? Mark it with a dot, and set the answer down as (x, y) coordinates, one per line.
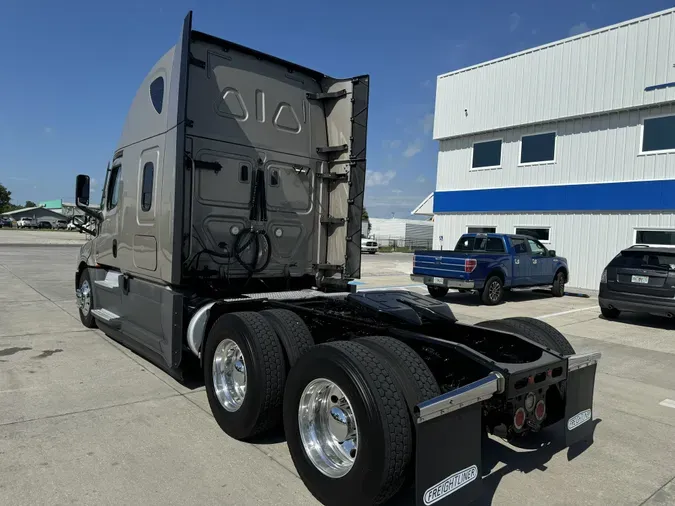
(114, 187)
(658, 134)
(146, 187)
(539, 148)
(655, 237)
(480, 230)
(487, 155)
(541, 233)
(157, 94)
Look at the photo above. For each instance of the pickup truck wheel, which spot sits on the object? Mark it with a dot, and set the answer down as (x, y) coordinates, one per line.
(493, 292)
(347, 426)
(437, 292)
(535, 330)
(291, 330)
(85, 301)
(558, 288)
(244, 374)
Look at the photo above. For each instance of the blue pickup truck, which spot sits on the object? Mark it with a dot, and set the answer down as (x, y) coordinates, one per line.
(491, 264)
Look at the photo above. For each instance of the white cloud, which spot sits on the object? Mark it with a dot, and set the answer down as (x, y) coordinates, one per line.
(413, 148)
(397, 192)
(579, 28)
(93, 182)
(426, 84)
(421, 179)
(379, 178)
(14, 178)
(48, 130)
(595, 6)
(395, 144)
(514, 21)
(428, 122)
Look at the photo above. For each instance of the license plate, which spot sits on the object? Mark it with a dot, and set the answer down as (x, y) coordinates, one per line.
(439, 281)
(640, 279)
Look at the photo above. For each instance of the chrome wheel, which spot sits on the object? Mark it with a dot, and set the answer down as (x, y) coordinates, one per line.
(229, 375)
(84, 298)
(494, 291)
(328, 428)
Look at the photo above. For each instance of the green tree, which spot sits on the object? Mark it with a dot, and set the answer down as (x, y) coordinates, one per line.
(30, 203)
(5, 199)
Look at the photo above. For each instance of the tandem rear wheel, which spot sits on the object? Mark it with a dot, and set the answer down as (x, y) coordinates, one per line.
(346, 406)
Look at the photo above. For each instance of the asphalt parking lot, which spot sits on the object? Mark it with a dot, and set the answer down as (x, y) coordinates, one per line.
(83, 420)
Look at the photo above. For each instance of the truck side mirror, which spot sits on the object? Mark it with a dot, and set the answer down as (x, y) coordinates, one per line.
(551, 252)
(82, 190)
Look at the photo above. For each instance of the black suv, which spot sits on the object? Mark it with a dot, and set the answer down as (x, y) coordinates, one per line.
(640, 279)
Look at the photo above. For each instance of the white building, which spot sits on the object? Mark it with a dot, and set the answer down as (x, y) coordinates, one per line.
(398, 232)
(573, 142)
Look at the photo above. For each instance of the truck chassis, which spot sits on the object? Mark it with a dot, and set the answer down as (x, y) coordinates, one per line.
(503, 377)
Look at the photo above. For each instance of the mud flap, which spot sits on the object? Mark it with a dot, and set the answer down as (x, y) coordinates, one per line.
(448, 467)
(579, 402)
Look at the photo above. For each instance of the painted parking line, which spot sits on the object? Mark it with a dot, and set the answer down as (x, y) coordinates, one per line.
(374, 289)
(668, 403)
(566, 312)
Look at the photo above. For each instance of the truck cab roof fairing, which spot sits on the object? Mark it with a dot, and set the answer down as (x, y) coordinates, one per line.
(143, 120)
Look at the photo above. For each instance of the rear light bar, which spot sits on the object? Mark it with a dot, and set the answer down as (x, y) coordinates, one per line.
(470, 264)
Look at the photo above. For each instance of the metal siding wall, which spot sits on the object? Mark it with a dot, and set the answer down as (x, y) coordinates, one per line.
(590, 74)
(419, 231)
(588, 150)
(588, 241)
(384, 228)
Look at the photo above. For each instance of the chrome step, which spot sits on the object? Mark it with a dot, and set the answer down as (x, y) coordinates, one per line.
(107, 316)
(111, 281)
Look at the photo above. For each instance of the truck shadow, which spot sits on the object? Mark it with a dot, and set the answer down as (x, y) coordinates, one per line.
(473, 299)
(532, 454)
(643, 320)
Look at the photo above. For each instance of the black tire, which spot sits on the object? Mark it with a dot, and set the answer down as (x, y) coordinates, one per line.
(558, 288)
(261, 409)
(610, 313)
(414, 376)
(493, 292)
(382, 418)
(437, 292)
(291, 330)
(87, 318)
(535, 330)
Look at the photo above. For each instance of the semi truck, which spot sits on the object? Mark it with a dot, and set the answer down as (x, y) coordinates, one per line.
(228, 239)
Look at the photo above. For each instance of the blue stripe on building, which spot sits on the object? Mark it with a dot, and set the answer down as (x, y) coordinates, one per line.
(626, 196)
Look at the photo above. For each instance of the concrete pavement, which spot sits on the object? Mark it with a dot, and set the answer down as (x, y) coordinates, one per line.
(86, 421)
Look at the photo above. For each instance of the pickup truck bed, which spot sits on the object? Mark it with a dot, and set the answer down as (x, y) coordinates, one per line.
(490, 263)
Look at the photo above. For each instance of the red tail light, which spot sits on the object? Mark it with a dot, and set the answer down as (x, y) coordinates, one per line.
(470, 265)
(540, 410)
(519, 419)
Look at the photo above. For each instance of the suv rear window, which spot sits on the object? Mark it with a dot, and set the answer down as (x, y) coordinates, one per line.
(481, 243)
(645, 260)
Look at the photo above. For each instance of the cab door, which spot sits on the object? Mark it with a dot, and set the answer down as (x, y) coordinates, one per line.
(521, 263)
(106, 240)
(542, 264)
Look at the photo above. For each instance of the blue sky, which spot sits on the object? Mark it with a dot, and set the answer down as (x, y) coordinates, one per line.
(71, 69)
